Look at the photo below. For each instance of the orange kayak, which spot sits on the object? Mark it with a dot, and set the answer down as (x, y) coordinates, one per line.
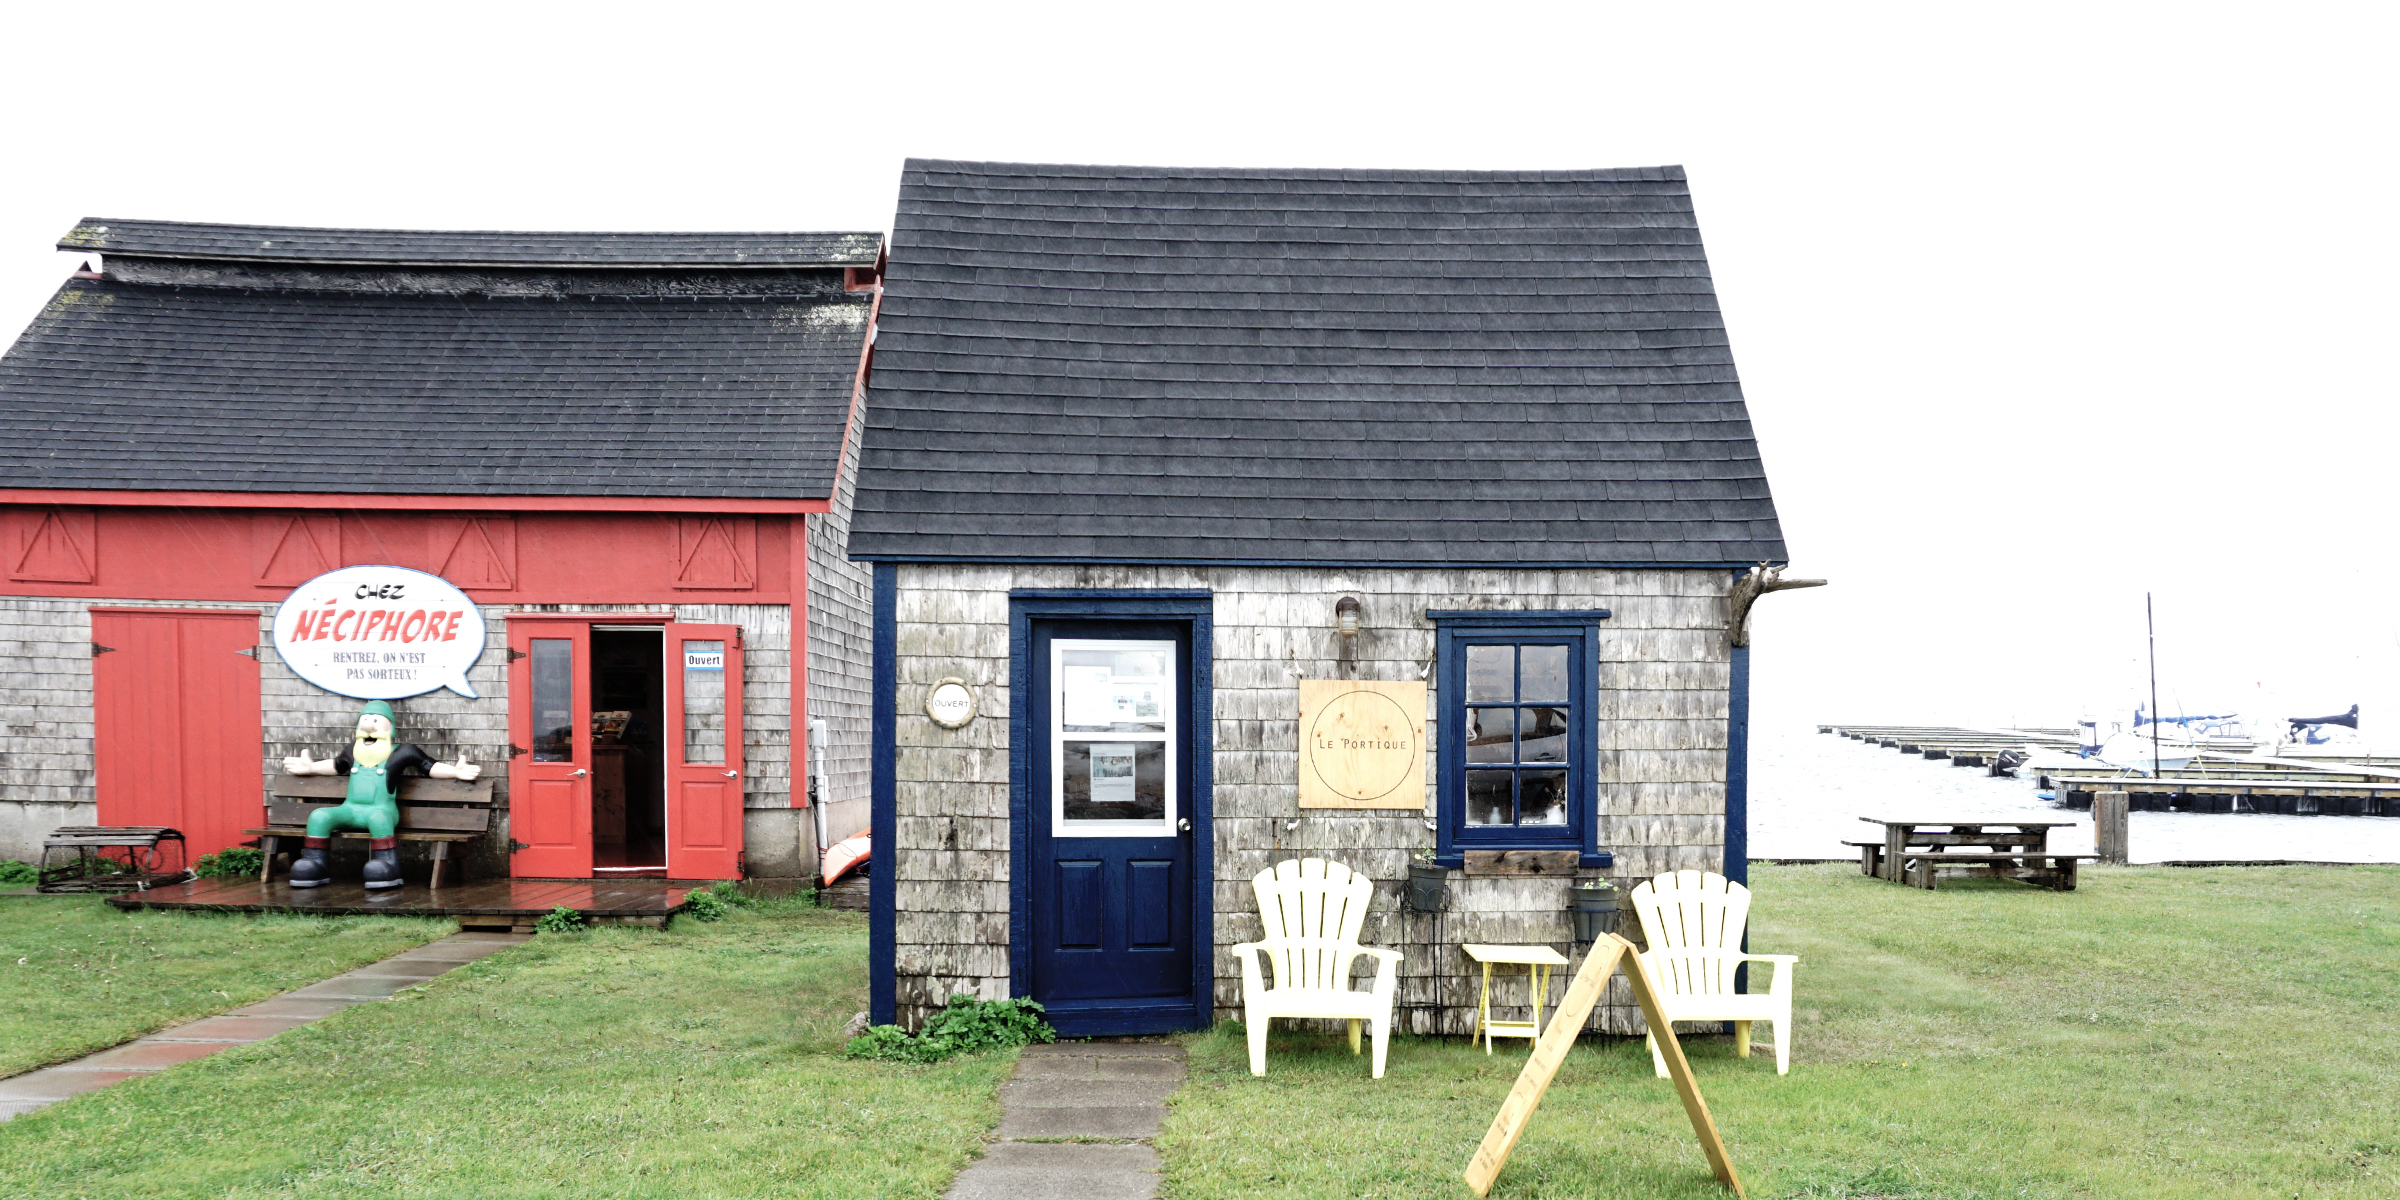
(844, 855)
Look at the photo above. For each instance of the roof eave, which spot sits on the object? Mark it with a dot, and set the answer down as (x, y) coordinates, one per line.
(478, 264)
(1356, 564)
(420, 501)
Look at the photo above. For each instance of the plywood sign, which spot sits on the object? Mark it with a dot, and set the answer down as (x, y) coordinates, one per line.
(1362, 744)
(1608, 955)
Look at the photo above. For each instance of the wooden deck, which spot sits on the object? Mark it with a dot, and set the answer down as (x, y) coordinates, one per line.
(484, 904)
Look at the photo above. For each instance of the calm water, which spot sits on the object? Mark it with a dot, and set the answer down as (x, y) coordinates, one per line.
(1808, 791)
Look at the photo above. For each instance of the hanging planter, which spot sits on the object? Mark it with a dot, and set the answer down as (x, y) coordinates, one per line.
(1426, 883)
(1593, 907)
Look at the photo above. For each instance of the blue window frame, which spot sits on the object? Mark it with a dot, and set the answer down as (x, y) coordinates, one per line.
(1518, 697)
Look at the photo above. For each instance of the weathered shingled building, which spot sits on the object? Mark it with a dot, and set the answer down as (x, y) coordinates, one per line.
(1143, 445)
(606, 440)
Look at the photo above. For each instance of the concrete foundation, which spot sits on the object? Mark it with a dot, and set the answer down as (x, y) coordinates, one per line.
(779, 843)
(23, 824)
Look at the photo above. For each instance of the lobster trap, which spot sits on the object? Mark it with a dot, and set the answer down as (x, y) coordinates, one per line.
(103, 858)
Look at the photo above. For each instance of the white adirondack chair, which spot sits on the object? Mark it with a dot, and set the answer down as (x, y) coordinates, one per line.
(1693, 921)
(1312, 910)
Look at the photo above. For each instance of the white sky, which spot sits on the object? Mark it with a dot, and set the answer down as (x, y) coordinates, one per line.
(2037, 307)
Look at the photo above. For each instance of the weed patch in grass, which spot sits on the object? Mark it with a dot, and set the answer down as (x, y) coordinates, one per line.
(232, 862)
(560, 919)
(964, 1026)
(711, 903)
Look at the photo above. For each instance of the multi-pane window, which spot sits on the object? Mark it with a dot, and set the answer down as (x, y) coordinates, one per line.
(1518, 715)
(1112, 740)
(1516, 722)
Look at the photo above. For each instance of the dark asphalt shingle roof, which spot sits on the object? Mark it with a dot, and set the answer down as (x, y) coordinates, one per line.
(141, 386)
(458, 248)
(1158, 365)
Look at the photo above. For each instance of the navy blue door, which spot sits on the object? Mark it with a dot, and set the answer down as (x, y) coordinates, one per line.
(1109, 811)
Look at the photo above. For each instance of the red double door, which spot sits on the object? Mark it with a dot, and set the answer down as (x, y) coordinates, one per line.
(550, 716)
(175, 722)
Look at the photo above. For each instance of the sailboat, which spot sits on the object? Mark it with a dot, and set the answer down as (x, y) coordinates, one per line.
(2151, 744)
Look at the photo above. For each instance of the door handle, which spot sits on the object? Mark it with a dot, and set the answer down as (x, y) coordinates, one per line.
(1184, 825)
(577, 771)
(731, 774)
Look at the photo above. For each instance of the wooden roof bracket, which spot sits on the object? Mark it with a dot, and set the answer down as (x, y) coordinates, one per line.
(1756, 582)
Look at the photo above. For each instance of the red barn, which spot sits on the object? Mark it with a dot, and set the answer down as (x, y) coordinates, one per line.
(632, 451)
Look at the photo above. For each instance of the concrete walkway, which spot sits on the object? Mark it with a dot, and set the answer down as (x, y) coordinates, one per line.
(1114, 1091)
(198, 1039)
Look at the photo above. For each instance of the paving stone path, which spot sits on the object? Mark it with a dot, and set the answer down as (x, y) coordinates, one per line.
(1114, 1091)
(198, 1039)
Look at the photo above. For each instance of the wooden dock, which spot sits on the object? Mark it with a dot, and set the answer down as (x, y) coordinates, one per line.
(2174, 792)
(1960, 747)
(2224, 779)
(499, 904)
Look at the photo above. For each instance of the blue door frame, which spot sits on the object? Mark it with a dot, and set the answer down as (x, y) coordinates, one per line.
(1193, 608)
(1188, 613)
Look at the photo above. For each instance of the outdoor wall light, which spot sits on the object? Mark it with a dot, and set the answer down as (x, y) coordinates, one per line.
(1345, 615)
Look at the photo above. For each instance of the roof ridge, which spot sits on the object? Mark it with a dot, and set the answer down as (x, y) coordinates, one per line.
(1661, 173)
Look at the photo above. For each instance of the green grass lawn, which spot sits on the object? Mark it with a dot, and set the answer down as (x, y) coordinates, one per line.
(2158, 1033)
(698, 1061)
(77, 975)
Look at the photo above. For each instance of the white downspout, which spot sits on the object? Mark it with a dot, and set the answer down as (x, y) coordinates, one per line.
(816, 787)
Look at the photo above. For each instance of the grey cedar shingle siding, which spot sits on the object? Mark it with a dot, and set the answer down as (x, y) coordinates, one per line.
(278, 243)
(1157, 365)
(140, 386)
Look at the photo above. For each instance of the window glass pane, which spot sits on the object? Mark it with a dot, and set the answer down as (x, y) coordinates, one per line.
(553, 700)
(1116, 689)
(1488, 739)
(1487, 798)
(1115, 781)
(1543, 734)
(1491, 674)
(1545, 677)
(1543, 800)
(704, 686)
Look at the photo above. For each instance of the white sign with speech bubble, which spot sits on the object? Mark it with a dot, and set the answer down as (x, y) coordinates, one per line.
(380, 633)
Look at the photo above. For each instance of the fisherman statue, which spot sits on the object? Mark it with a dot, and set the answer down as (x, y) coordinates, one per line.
(374, 762)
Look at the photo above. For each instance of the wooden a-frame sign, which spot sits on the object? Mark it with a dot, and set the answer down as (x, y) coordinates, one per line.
(1608, 954)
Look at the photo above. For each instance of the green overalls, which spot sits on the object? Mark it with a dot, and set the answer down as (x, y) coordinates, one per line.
(370, 804)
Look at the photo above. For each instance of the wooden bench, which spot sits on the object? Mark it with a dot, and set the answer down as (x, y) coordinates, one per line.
(440, 811)
(2036, 866)
(2042, 868)
(1870, 857)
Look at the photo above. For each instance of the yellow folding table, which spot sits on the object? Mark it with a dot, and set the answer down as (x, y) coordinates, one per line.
(1537, 961)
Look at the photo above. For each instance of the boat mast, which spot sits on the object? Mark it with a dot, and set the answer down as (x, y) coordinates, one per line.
(2150, 613)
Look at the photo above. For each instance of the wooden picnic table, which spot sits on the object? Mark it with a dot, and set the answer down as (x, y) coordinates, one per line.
(1913, 852)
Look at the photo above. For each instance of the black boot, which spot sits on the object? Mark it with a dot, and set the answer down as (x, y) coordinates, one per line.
(383, 869)
(308, 870)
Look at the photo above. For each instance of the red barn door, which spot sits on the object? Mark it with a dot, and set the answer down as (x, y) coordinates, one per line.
(550, 714)
(704, 751)
(177, 737)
